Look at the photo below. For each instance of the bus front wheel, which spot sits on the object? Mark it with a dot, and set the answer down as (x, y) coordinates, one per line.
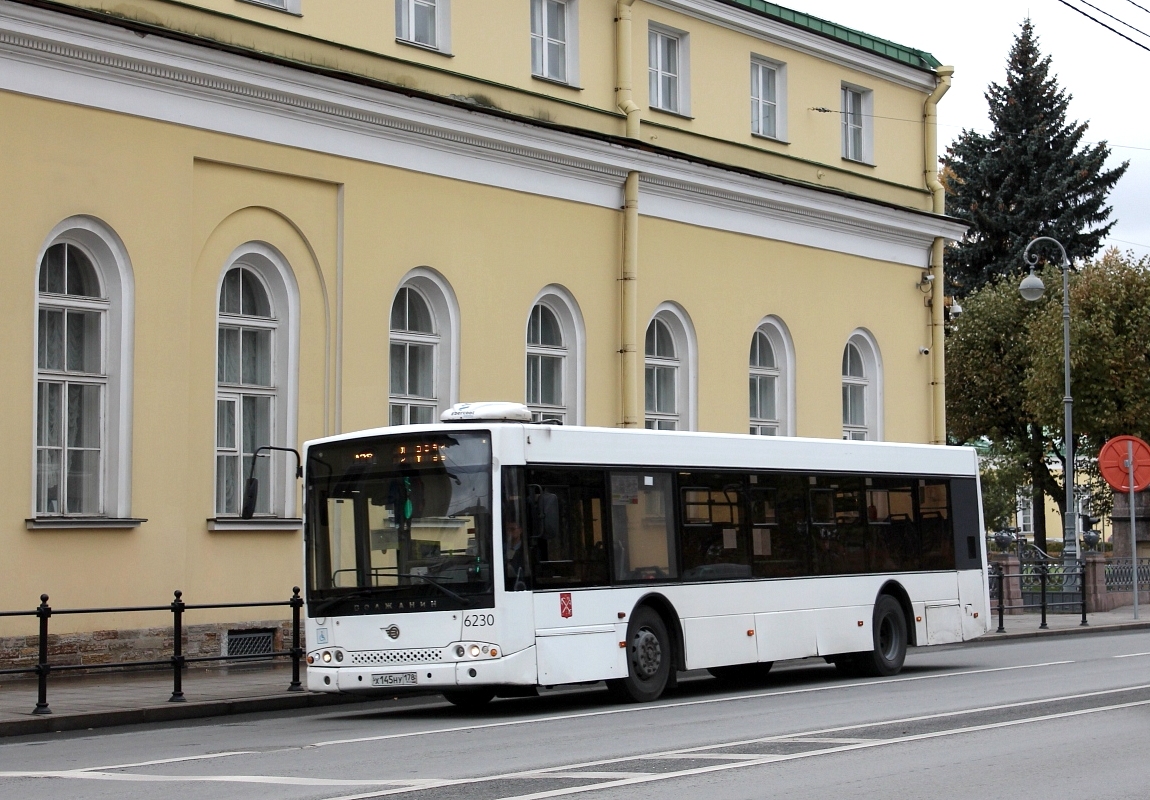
(649, 658)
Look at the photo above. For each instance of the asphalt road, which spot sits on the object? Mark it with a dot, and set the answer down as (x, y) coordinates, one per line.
(1066, 716)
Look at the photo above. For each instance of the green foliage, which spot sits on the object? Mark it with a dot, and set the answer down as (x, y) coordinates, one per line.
(1003, 472)
(1027, 178)
(1005, 375)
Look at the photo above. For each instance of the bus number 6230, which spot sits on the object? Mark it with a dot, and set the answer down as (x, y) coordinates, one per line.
(478, 620)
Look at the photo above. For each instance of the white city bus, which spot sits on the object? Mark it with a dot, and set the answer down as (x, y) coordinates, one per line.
(487, 556)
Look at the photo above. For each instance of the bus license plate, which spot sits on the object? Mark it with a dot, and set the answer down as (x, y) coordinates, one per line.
(394, 679)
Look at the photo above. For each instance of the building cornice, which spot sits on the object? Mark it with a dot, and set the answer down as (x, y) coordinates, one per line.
(784, 35)
(80, 61)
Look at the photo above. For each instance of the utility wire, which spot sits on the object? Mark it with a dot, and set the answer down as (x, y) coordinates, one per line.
(1144, 8)
(1116, 19)
(1104, 25)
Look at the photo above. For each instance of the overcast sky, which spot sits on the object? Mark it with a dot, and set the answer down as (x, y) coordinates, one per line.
(1105, 74)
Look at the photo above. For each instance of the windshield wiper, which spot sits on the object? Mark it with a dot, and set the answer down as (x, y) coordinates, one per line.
(436, 584)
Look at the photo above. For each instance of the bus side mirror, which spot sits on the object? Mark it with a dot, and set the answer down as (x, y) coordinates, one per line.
(251, 495)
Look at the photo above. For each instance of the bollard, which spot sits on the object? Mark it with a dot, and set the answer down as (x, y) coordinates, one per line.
(177, 649)
(1042, 579)
(43, 612)
(1001, 596)
(296, 650)
(1082, 590)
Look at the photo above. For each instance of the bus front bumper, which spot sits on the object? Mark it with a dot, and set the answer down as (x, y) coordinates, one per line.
(517, 669)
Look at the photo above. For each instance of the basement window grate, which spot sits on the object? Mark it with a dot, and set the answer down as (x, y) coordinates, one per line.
(259, 642)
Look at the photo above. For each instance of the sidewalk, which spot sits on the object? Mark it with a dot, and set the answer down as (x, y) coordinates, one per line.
(1023, 625)
(98, 700)
(79, 702)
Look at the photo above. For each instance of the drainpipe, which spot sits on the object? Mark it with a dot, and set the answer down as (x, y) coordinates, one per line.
(631, 410)
(938, 285)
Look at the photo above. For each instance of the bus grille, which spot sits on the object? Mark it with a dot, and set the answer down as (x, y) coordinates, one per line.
(396, 656)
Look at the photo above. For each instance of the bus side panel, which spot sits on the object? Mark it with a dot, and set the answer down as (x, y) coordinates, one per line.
(569, 657)
(844, 630)
(719, 641)
(786, 634)
(972, 594)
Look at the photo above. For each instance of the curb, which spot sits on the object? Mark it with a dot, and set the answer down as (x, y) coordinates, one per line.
(51, 723)
(988, 638)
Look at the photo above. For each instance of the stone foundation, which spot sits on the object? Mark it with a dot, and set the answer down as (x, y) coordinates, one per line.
(139, 644)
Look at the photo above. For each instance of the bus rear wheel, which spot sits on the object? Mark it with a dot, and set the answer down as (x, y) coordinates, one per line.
(649, 659)
(889, 630)
(470, 699)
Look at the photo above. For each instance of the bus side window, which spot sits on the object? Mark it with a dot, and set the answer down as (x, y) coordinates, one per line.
(566, 540)
(779, 538)
(935, 524)
(643, 526)
(713, 531)
(516, 569)
(893, 526)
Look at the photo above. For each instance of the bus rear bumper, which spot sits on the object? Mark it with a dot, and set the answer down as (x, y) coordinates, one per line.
(517, 669)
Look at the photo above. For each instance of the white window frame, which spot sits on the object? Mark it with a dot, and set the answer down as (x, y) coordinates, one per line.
(440, 297)
(283, 295)
(780, 339)
(1024, 512)
(408, 338)
(114, 272)
(868, 350)
(686, 363)
(570, 44)
(405, 24)
(562, 303)
(682, 93)
(289, 6)
(865, 123)
(759, 63)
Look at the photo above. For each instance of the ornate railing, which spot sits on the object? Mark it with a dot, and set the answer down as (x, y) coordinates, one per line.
(1120, 575)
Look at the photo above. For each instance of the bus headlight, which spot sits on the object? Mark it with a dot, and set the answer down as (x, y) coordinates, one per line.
(339, 655)
(326, 656)
(459, 651)
(474, 650)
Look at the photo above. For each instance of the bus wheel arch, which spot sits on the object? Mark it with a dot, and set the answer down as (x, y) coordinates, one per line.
(896, 590)
(662, 606)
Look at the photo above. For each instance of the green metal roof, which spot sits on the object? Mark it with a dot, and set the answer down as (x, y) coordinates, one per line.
(920, 59)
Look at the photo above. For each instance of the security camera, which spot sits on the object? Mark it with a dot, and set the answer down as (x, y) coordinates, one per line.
(924, 351)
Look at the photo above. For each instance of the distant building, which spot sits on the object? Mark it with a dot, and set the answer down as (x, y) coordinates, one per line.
(230, 223)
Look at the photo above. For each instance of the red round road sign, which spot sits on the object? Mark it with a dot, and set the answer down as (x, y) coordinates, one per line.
(1112, 463)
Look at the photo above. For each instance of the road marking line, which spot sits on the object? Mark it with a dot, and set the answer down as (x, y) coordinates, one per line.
(824, 739)
(682, 704)
(170, 760)
(692, 756)
(766, 758)
(776, 759)
(1132, 655)
(588, 774)
(131, 777)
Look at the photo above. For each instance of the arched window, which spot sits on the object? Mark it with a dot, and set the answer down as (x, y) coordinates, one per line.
(83, 414)
(72, 384)
(862, 395)
(669, 388)
(414, 342)
(546, 365)
(764, 386)
(661, 373)
(246, 388)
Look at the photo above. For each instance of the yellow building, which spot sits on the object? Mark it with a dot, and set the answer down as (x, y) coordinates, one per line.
(238, 222)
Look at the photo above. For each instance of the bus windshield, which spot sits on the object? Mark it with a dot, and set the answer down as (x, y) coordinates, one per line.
(399, 523)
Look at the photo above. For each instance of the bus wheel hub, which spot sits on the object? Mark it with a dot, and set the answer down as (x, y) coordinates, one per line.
(648, 653)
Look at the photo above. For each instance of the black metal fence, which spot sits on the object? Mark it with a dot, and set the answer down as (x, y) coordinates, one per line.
(1042, 586)
(178, 661)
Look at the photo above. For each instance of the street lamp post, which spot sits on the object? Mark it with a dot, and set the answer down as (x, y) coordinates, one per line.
(1031, 289)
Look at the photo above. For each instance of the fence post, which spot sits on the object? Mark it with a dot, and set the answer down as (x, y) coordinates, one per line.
(177, 649)
(296, 650)
(43, 612)
(1082, 589)
(1042, 578)
(1001, 596)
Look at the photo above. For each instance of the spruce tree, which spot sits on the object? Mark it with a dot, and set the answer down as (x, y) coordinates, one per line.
(1029, 177)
